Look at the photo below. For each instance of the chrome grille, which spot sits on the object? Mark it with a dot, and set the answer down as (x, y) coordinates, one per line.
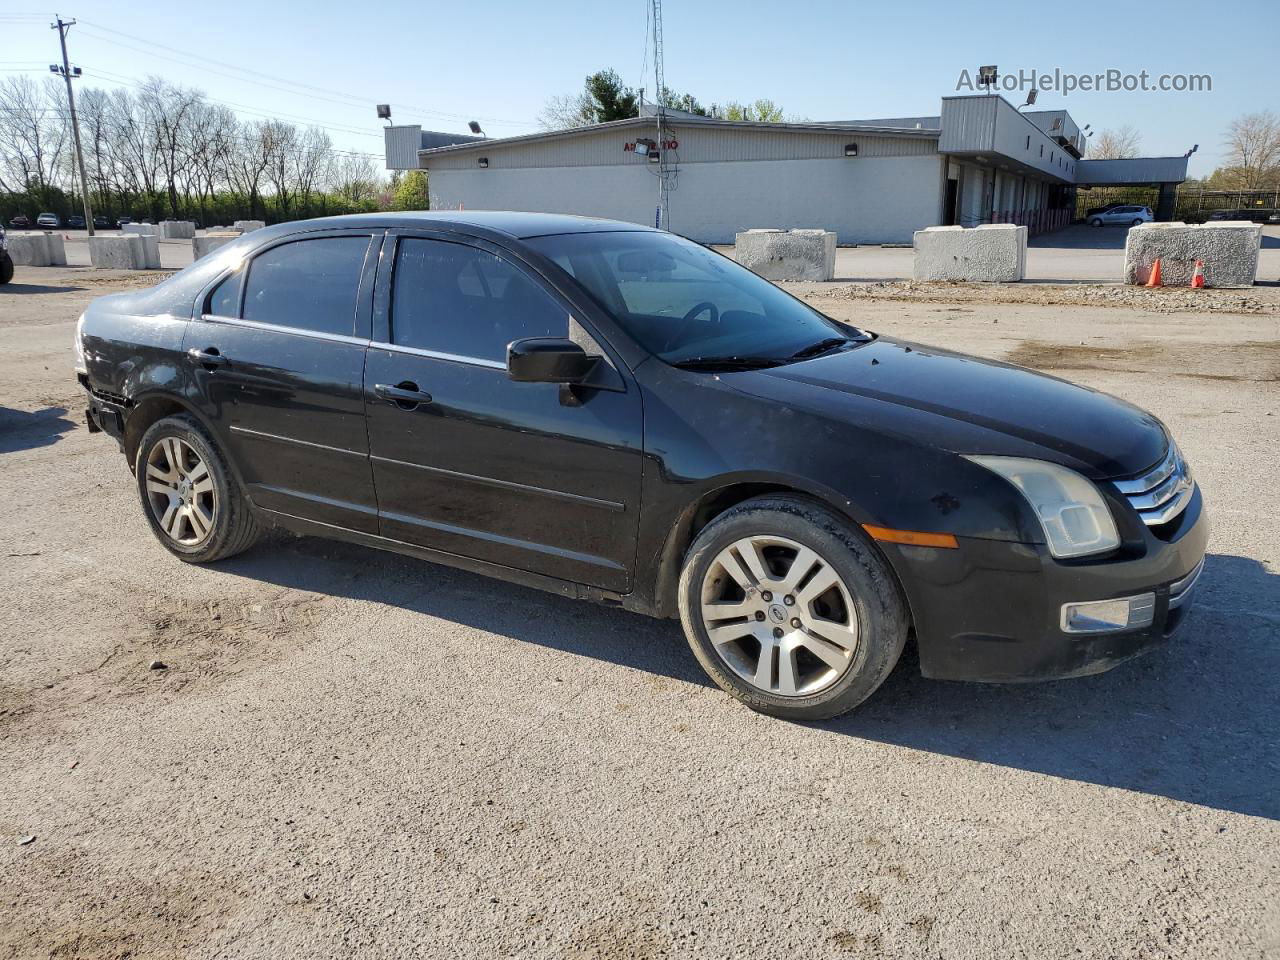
(1161, 493)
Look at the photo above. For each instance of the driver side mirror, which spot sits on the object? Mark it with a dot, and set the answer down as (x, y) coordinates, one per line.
(548, 360)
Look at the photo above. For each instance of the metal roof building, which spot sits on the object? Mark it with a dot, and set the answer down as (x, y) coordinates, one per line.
(980, 160)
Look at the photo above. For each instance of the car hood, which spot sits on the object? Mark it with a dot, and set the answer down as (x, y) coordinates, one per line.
(968, 405)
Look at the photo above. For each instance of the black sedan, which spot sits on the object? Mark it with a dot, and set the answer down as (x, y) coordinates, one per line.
(616, 414)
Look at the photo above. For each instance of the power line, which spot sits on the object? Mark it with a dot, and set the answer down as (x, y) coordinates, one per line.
(344, 98)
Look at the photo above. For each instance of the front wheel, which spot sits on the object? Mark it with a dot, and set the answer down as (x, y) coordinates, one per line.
(6, 268)
(790, 610)
(1139, 222)
(1095, 222)
(190, 498)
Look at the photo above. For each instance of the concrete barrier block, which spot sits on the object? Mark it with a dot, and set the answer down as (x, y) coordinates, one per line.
(118, 253)
(244, 226)
(177, 229)
(202, 246)
(29, 249)
(141, 229)
(57, 248)
(150, 251)
(1229, 249)
(991, 253)
(787, 254)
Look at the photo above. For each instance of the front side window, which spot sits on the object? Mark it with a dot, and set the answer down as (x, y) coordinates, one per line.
(682, 301)
(456, 299)
(306, 284)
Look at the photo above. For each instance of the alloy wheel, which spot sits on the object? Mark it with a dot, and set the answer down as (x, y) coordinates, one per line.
(180, 491)
(779, 616)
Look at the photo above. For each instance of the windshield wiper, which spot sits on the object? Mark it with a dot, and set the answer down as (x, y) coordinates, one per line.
(819, 348)
(727, 363)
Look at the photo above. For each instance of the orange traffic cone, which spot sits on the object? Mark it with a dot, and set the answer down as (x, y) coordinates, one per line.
(1197, 276)
(1154, 279)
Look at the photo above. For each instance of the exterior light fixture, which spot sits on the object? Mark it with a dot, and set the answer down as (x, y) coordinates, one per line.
(384, 111)
(850, 149)
(645, 148)
(484, 162)
(474, 127)
(987, 76)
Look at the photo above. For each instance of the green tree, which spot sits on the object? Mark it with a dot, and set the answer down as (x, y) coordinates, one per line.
(762, 111)
(410, 192)
(608, 98)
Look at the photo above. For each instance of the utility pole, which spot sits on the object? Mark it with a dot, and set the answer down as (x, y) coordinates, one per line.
(67, 74)
(663, 217)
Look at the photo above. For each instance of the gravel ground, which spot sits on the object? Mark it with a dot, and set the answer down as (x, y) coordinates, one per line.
(356, 754)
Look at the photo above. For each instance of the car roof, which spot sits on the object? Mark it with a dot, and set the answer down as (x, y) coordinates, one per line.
(515, 224)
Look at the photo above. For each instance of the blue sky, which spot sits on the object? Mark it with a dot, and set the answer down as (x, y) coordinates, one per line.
(499, 60)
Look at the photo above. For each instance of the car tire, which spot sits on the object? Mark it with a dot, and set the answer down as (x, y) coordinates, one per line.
(189, 495)
(1095, 222)
(6, 268)
(810, 677)
(1139, 222)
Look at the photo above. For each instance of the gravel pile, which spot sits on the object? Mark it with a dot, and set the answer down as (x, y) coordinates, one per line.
(1160, 300)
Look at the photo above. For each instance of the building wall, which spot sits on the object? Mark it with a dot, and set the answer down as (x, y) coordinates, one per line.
(863, 199)
(698, 143)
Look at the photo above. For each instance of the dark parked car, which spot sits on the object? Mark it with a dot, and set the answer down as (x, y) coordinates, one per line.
(101, 222)
(75, 222)
(21, 221)
(613, 413)
(121, 221)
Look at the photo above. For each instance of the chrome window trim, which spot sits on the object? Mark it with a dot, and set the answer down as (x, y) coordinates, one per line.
(437, 355)
(277, 328)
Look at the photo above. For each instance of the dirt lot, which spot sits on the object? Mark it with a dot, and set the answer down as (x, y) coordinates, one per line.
(355, 754)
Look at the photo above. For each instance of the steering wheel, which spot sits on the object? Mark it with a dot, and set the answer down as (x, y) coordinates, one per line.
(687, 319)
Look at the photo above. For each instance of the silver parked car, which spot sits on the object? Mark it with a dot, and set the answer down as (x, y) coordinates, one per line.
(1129, 216)
(50, 220)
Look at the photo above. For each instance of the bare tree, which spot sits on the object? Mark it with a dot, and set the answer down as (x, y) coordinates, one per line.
(1121, 143)
(1253, 150)
(249, 160)
(281, 143)
(567, 111)
(33, 137)
(354, 178)
(312, 161)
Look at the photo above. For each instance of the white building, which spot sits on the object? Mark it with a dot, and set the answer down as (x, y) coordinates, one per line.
(980, 160)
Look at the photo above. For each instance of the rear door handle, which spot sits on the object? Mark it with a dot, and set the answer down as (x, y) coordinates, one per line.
(404, 395)
(209, 357)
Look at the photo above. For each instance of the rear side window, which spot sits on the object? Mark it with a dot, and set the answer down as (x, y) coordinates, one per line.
(452, 298)
(307, 284)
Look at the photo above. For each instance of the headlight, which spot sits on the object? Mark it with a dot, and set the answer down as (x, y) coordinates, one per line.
(1074, 516)
(81, 366)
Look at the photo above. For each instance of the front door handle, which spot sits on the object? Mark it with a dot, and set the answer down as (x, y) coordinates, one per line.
(404, 395)
(208, 357)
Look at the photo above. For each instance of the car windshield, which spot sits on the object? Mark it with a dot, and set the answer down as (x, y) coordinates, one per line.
(689, 305)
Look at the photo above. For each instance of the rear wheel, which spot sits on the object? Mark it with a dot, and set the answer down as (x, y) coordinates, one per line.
(1139, 222)
(1095, 222)
(6, 268)
(190, 498)
(790, 610)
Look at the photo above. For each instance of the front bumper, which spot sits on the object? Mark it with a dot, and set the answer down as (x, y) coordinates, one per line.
(992, 611)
